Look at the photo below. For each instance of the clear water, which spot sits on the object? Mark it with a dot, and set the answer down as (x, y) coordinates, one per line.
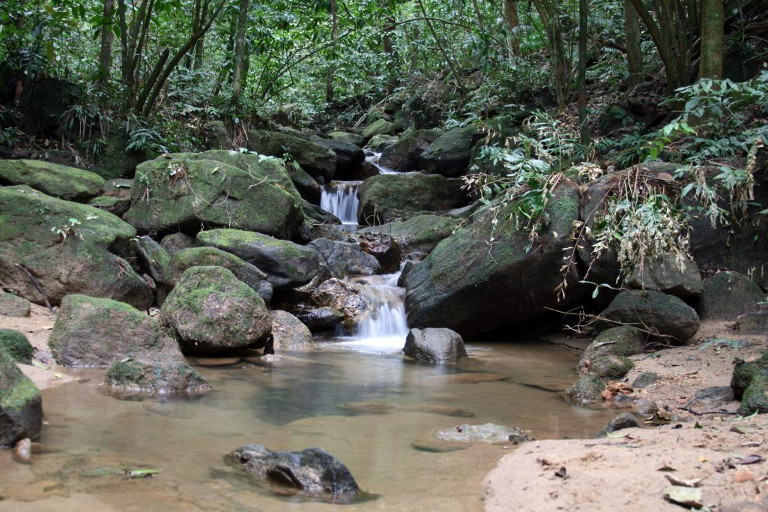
(340, 199)
(376, 413)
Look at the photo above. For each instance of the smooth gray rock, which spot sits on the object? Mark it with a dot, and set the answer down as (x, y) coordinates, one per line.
(665, 315)
(434, 345)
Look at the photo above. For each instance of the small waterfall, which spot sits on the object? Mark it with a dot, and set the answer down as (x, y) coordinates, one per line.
(340, 199)
(385, 328)
(374, 158)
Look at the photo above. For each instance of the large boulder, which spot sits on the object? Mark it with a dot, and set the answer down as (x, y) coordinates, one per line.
(391, 197)
(449, 154)
(404, 154)
(183, 193)
(348, 156)
(483, 276)
(419, 234)
(55, 180)
(210, 311)
(21, 407)
(664, 273)
(343, 296)
(292, 178)
(434, 345)
(289, 332)
(317, 160)
(93, 332)
(211, 256)
(729, 294)
(134, 378)
(344, 259)
(67, 248)
(287, 265)
(379, 127)
(312, 471)
(352, 138)
(663, 315)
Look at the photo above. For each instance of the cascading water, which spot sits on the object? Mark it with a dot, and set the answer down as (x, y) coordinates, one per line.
(384, 329)
(340, 199)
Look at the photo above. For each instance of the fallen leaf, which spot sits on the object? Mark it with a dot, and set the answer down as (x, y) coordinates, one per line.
(744, 476)
(750, 459)
(666, 468)
(683, 483)
(561, 473)
(687, 496)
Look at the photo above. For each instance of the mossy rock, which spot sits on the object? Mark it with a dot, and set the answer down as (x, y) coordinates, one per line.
(318, 161)
(16, 345)
(176, 242)
(352, 138)
(113, 205)
(418, 234)
(645, 379)
(55, 180)
(13, 305)
(130, 378)
(210, 311)
(611, 367)
(21, 406)
(93, 259)
(211, 256)
(93, 332)
(115, 161)
(392, 197)
(755, 398)
(404, 154)
(181, 194)
(381, 142)
(620, 341)
(449, 155)
(287, 265)
(491, 261)
(588, 389)
(379, 127)
(744, 373)
(665, 315)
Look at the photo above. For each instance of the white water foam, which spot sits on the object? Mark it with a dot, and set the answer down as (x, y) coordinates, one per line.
(340, 199)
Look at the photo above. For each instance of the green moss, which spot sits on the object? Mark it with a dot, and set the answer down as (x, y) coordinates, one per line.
(611, 367)
(744, 373)
(19, 394)
(16, 345)
(54, 179)
(755, 398)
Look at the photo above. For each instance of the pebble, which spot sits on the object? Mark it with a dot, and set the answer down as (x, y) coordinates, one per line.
(22, 452)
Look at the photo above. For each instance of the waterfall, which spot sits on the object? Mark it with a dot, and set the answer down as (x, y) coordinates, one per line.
(384, 330)
(340, 199)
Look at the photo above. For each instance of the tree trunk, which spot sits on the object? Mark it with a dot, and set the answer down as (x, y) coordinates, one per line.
(238, 77)
(583, 121)
(634, 54)
(712, 19)
(550, 17)
(107, 36)
(330, 72)
(511, 17)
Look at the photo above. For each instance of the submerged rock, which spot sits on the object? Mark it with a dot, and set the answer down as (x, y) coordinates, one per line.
(486, 433)
(55, 180)
(16, 345)
(93, 332)
(434, 345)
(131, 377)
(210, 311)
(21, 407)
(312, 471)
